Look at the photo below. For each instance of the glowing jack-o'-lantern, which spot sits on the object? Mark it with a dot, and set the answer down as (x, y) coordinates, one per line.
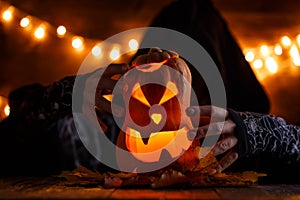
(156, 93)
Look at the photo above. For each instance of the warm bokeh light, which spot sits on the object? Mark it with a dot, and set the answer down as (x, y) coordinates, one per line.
(133, 44)
(296, 62)
(7, 15)
(114, 54)
(77, 42)
(24, 22)
(294, 51)
(278, 50)
(264, 50)
(249, 56)
(298, 39)
(286, 41)
(271, 65)
(39, 33)
(257, 64)
(6, 110)
(61, 31)
(96, 51)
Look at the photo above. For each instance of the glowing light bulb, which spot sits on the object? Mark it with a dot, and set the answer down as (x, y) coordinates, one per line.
(249, 56)
(39, 33)
(257, 64)
(298, 39)
(7, 15)
(96, 51)
(24, 22)
(61, 31)
(264, 50)
(77, 42)
(114, 54)
(278, 50)
(6, 110)
(296, 61)
(294, 51)
(133, 44)
(271, 65)
(286, 41)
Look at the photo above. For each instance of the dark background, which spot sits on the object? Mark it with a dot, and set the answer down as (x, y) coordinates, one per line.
(23, 60)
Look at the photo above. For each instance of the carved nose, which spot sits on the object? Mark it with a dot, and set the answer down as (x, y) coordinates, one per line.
(156, 117)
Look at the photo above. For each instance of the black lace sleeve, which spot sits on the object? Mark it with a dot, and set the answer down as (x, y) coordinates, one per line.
(259, 133)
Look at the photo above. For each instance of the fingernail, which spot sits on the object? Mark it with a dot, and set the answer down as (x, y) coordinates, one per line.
(212, 171)
(190, 111)
(192, 134)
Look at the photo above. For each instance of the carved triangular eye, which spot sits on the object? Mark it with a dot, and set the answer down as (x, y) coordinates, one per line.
(170, 92)
(139, 95)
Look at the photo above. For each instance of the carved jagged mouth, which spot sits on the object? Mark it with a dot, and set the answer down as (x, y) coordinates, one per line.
(156, 141)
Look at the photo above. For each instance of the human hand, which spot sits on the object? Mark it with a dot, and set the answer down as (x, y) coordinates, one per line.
(105, 87)
(212, 122)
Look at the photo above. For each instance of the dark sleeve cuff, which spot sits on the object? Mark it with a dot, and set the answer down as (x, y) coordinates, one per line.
(241, 133)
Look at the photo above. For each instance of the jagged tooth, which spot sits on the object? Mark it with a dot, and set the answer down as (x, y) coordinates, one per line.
(163, 176)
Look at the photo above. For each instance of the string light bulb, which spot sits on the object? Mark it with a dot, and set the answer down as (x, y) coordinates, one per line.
(257, 64)
(7, 15)
(286, 41)
(39, 33)
(24, 22)
(133, 44)
(114, 54)
(264, 50)
(96, 51)
(271, 65)
(249, 56)
(294, 51)
(278, 49)
(61, 31)
(6, 110)
(77, 42)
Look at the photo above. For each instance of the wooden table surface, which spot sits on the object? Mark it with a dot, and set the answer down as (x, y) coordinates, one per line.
(59, 188)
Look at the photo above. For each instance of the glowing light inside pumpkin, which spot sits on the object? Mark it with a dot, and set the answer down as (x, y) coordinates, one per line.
(170, 92)
(24, 22)
(139, 95)
(108, 97)
(156, 117)
(296, 62)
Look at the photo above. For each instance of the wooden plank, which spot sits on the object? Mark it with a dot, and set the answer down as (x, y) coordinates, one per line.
(137, 194)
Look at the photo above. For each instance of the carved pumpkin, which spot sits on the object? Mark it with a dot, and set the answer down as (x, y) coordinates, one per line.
(156, 93)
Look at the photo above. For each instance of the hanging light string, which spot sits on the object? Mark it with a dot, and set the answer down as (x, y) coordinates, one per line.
(265, 60)
(40, 29)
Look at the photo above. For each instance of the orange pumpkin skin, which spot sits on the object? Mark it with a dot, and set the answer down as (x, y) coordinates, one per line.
(155, 118)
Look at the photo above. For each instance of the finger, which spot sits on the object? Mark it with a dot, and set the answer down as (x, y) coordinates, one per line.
(213, 129)
(224, 145)
(113, 69)
(227, 160)
(216, 113)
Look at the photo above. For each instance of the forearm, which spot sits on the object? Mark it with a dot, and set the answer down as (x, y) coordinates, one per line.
(259, 133)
